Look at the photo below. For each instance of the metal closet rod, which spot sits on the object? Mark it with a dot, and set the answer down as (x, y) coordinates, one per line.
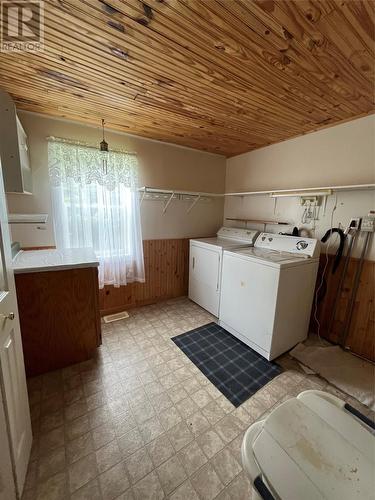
(297, 192)
(146, 189)
(173, 193)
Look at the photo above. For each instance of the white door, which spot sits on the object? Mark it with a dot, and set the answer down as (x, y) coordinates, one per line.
(204, 277)
(7, 485)
(248, 301)
(12, 369)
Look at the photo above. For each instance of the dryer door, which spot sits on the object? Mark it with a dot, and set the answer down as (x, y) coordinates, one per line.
(204, 277)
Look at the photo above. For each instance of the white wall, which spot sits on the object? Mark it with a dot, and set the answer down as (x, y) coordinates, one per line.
(335, 156)
(160, 165)
(349, 204)
(339, 155)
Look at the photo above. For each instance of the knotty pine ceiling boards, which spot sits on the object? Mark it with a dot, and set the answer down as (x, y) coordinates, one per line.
(225, 76)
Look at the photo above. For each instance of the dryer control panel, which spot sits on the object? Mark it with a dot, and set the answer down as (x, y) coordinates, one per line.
(238, 233)
(306, 247)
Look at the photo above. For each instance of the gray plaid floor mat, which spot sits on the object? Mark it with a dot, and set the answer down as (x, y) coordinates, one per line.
(234, 368)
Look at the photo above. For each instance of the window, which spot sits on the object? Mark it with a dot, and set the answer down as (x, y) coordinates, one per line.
(98, 208)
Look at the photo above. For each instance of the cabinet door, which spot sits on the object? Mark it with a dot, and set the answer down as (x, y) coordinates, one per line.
(24, 158)
(204, 278)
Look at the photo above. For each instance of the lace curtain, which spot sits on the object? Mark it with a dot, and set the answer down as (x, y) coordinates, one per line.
(98, 207)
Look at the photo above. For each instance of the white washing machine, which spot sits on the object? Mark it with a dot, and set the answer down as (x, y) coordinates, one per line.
(267, 292)
(206, 262)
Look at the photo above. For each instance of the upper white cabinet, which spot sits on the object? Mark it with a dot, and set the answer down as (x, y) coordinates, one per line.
(14, 149)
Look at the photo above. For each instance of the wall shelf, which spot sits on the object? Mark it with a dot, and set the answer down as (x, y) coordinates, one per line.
(297, 192)
(27, 218)
(258, 221)
(292, 192)
(168, 195)
(150, 190)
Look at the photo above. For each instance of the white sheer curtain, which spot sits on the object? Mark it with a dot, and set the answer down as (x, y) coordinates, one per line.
(98, 207)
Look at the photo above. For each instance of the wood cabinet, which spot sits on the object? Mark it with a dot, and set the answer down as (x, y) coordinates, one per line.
(14, 149)
(59, 316)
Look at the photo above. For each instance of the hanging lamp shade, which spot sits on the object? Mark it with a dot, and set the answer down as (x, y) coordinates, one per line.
(104, 149)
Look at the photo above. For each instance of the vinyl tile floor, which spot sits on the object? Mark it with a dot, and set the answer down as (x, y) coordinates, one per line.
(141, 422)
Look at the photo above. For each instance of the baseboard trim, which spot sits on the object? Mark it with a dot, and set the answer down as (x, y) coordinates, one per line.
(139, 303)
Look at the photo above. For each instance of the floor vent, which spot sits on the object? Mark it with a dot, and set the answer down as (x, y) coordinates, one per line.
(115, 317)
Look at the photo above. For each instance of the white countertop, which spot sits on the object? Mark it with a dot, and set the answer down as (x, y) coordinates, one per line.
(53, 260)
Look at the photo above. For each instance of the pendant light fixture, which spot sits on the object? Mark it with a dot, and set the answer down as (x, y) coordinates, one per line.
(104, 151)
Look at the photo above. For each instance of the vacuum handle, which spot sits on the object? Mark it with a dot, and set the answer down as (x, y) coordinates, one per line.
(262, 489)
(359, 415)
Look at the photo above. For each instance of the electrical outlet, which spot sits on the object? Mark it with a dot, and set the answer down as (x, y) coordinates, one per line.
(368, 224)
(354, 223)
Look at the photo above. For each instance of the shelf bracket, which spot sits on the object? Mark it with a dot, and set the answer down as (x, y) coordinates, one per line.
(324, 204)
(143, 196)
(168, 203)
(194, 203)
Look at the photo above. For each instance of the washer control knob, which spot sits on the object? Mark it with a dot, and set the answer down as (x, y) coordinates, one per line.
(301, 245)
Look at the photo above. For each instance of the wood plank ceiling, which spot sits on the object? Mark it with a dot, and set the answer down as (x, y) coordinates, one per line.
(226, 76)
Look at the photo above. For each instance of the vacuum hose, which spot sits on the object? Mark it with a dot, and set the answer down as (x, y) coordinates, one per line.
(340, 250)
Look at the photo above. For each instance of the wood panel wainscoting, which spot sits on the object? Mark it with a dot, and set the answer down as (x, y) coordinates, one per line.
(360, 339)
(167, 276)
